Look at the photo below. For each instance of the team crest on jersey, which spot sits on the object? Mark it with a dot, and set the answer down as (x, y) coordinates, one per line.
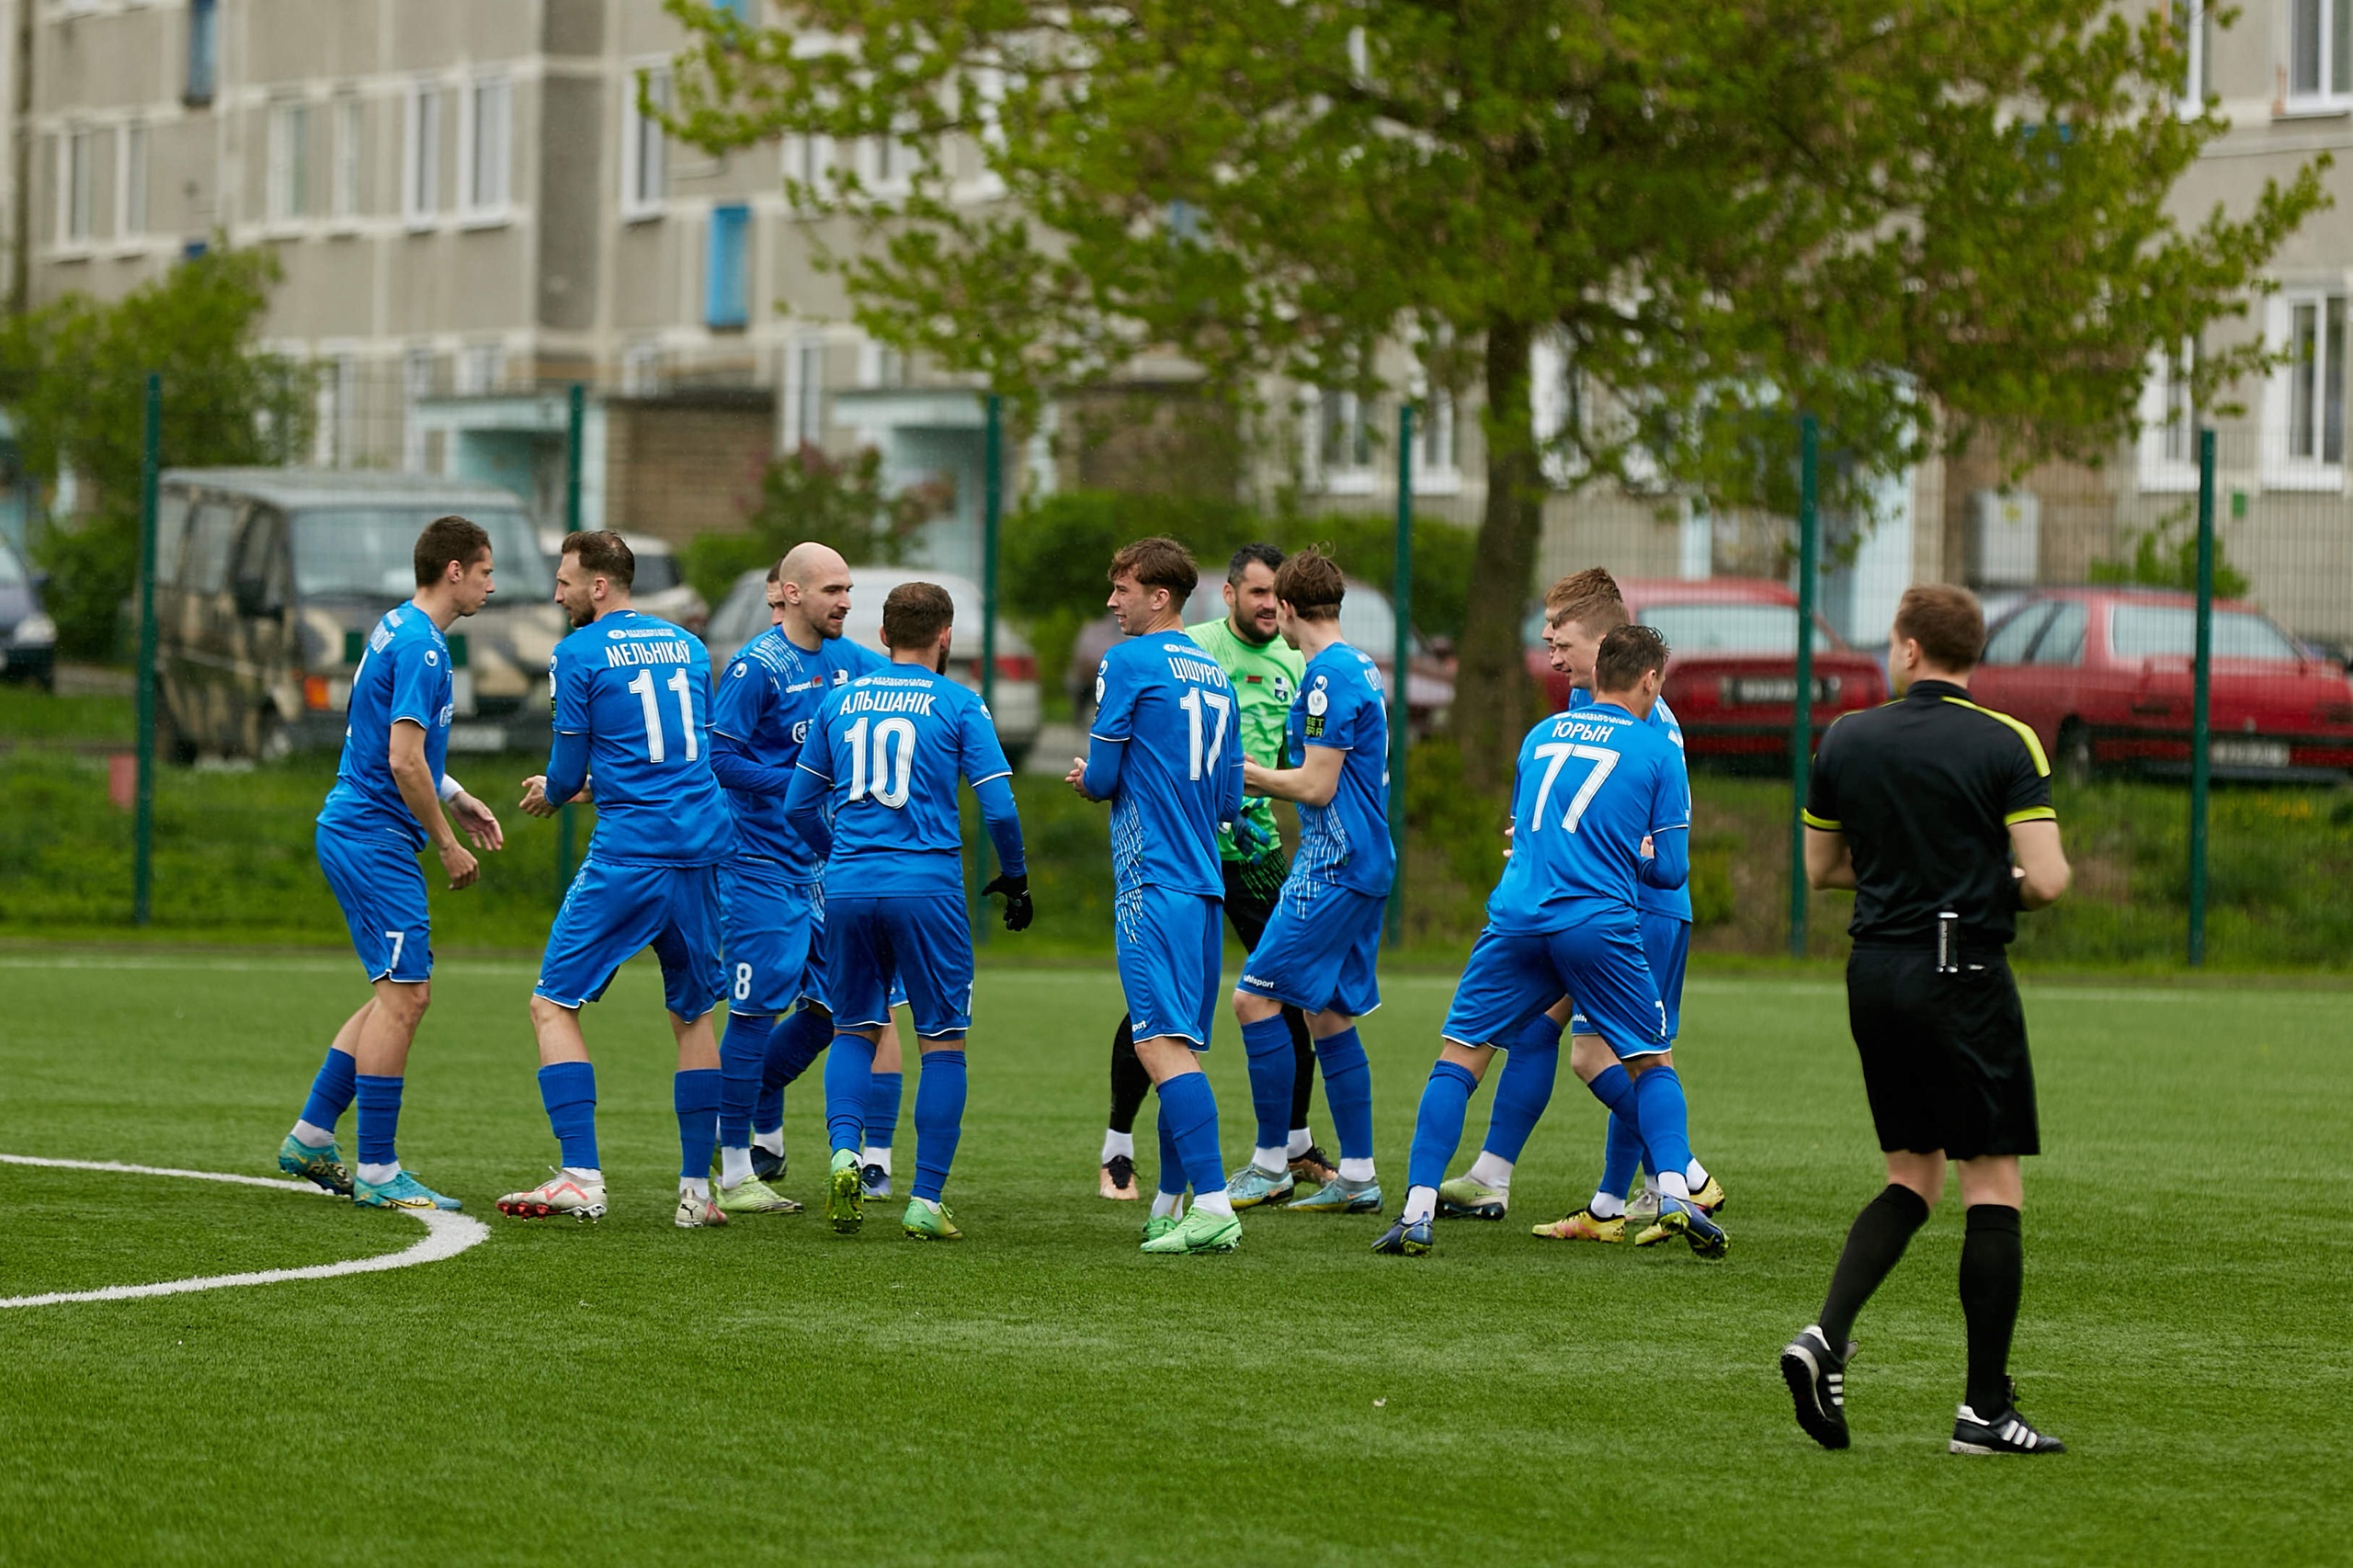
(1319, 700)
(841, 677)
(801, 732)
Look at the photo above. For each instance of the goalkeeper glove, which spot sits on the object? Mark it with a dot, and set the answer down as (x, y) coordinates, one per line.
(1014, 886)
(1246, 842)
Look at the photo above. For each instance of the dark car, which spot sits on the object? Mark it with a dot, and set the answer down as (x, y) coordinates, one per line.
(28, 637)
(1731, 668)
(2104, 676)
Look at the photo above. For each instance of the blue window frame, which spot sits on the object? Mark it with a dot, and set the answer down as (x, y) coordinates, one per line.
(727, 270)
(739, 9)
(203, 50)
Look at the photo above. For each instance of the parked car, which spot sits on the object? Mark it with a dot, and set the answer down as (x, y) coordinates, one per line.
(1366, 619)
(1732, 666)
(661, 588)
(28, 637)
(2104, 675)
(743, 615)
(268, 581)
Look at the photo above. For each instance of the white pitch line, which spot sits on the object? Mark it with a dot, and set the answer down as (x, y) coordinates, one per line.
(446, 1235)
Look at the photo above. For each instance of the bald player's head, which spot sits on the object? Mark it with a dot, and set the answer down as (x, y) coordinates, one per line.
(812, 580)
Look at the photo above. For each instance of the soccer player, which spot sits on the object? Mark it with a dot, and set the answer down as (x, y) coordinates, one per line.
(1158, 752)
(760, 715)
(385, 806)
(1265, 670)
(1597, 808)
(885, 753)
(1319, 950)
(1919, 806)
(633, 698)
(1581, 610)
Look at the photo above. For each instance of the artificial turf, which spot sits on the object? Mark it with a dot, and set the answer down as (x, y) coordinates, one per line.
(1041, 1393)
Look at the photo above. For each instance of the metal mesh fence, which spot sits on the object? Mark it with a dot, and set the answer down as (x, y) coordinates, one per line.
(265, 579)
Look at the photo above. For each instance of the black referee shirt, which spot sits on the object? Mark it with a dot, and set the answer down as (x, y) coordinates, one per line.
(1925, 790)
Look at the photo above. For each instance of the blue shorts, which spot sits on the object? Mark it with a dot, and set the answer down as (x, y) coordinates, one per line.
(770, 920)
(812, 985)
(1317, 953)
(1171, 953)
(921, 940)
(376, 879)
(1666, 944)
(613, 912)
(1510, 978)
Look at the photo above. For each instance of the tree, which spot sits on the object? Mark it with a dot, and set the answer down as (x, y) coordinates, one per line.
(1921, 221)
(75, 375)
(805, 495)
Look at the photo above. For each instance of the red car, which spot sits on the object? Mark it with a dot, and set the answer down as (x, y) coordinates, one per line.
(2104, 676)
(1731, 674)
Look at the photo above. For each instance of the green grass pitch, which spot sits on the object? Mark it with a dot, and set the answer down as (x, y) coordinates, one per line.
(1041, 1393)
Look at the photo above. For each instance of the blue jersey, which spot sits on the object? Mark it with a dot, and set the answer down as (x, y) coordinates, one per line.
(403, 676)
(890, 747)
(1592, 784)
(1344, 844)
(1672, 902)
(768, 700)
(638, 689)
(1168, 709)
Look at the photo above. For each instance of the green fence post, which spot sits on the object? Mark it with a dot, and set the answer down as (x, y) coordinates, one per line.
(992, 521)
(574, 418)
(142, 830)
(1802, 719)
(1401, 720)
(2201, 716)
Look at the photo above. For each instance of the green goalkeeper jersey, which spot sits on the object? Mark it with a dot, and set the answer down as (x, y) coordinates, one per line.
(1265, 678)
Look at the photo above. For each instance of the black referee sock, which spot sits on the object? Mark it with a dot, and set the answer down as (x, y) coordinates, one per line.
(1993, 1273)
(1875, 1246)
(1130, 1081)
(1303, 1054)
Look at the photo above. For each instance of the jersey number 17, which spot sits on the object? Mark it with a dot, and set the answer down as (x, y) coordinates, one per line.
(1201, 758)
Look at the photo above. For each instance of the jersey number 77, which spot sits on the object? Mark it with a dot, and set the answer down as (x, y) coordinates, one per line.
(1557, 753)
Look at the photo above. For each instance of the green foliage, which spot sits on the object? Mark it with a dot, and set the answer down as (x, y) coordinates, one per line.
(2161, 560)
(74, 374)
(807, 495)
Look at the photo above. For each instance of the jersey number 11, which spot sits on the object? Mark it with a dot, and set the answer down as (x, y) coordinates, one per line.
(643, 684)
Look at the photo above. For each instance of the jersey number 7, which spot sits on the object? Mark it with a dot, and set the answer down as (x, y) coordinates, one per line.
(1193, 701)
(1603, 760)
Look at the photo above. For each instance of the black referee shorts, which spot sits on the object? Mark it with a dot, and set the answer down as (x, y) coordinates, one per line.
(1945, 1058)
(1251, 889)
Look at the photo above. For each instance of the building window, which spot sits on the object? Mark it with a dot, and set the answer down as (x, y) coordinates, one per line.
(76, 152)
(130, 182)
(489, 137)
(1437, 432)
(2169, 421)
(645, 173)
(893, 160)
(344, 183)
(2193, 25)
(641, 369)
(480, 368)
(808, 393)
(203, 50)
(739, 9)
(421, 156)
(2305, 401)
(2320, 54)
(1344, 442)
(807, 159)
(290, 160)
(727, 273)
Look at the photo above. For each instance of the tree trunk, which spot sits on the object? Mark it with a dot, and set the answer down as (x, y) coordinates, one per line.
(1492, 705)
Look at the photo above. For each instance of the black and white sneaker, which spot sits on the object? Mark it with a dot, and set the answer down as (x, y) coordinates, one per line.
(768, 1168)
(2005, 1432)
(1817, 1379)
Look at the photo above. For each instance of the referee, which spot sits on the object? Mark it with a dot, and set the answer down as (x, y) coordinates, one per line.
(1919, 807)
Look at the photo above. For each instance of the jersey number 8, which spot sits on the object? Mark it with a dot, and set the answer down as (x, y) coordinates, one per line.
(891, 762)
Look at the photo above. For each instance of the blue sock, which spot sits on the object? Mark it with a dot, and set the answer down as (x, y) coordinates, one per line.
(380, 1119)
(1347, 1090)
(1666, 1124)
(1614, 1087)
(850, 1082)
(569, 1091)
(331, 1091)
(1274, 1068)
(742, 1050)
(1620, 1156)
(794, 1043)
(1437, 1125)
(1189, 1110)
(1172, 1165)
(882, 1107)
(939, 1119)
(1524, 1087)
(694, 1094)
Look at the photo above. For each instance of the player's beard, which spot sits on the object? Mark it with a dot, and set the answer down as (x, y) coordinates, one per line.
(939, 664)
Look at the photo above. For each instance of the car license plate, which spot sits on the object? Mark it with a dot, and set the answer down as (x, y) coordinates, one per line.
(477, 737)
(1760, 691)
(2234, 752)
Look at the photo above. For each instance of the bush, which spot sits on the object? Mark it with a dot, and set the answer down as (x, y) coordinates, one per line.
(806, 496)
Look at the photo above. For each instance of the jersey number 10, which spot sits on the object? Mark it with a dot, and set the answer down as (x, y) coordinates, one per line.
(1219, 703)
(893, 763)
(643, 684)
